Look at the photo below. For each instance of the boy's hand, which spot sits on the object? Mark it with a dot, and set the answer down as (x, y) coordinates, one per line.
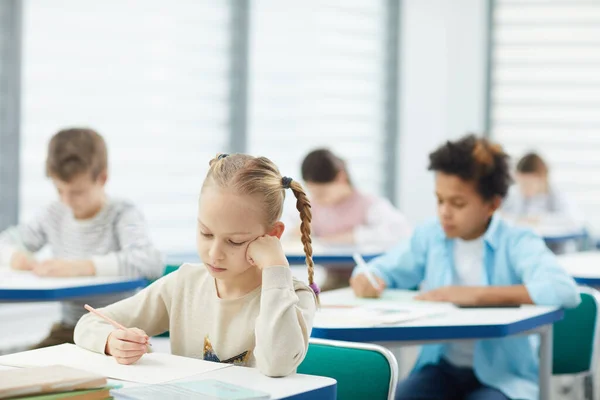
(127, 346)
(266, 251)
(21, 261)
(460, 295)
(362, 287)
(64, 268)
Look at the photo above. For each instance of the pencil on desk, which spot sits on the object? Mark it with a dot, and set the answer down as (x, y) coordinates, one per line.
(109, 320)
(360, 262)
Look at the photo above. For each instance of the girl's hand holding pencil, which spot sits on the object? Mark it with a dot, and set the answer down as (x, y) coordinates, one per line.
(126, 345)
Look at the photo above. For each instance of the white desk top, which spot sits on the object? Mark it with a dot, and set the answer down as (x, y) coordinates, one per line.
(454, 316)
(10, 279)
(26, 286)
(584, 267)
(455, 324)
(251, 378)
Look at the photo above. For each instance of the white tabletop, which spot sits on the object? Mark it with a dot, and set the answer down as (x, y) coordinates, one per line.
(455, 323)
(584, 267)
(26, 286)
(251, 378)
(10, 279)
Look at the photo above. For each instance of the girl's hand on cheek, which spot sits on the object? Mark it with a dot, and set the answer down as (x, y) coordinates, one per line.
(266, 251)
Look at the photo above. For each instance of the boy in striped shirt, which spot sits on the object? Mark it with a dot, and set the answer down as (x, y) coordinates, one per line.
(88, 232)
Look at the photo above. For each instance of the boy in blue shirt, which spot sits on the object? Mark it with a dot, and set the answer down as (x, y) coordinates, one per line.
(469, 256)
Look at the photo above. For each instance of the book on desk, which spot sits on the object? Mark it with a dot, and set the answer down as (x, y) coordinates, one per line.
(46, 382)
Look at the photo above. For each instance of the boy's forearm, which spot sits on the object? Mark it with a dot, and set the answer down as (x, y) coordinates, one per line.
(504, 295)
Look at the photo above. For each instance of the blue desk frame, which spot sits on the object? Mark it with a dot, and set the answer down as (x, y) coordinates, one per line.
(432, 333)
(324, 393)
(66, 293)
(294, 259)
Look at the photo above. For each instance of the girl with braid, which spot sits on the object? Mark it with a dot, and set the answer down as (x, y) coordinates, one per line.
(241, 305)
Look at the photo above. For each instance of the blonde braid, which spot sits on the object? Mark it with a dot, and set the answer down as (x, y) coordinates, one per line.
(303, 206)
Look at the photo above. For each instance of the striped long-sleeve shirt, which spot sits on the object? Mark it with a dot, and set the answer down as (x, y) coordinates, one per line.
(116, 240)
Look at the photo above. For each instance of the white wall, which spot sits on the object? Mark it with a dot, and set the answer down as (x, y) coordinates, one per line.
(443, 51)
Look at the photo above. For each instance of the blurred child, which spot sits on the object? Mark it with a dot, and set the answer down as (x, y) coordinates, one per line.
(469, 256)
(89, 233)
(342, 215)
(535, 200)
(240, 306)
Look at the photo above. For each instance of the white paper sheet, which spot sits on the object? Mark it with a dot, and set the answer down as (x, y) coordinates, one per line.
(10, 279)
(151, 368)
(367, 316)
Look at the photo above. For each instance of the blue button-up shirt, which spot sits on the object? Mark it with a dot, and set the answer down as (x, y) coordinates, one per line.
(512, 256)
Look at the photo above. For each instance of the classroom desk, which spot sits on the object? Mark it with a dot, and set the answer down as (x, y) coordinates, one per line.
(294, 387)
(22, 286)
(584, 267)
(457, 324)
(328, 256)
(553, 232)
(560, 236)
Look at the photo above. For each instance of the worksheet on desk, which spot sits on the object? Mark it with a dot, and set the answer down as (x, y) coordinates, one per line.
(375, 315)
(10, 279)
(151, 368)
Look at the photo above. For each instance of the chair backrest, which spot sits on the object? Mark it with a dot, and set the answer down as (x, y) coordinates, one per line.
(362, 371)
(170, 268)
(575, 336)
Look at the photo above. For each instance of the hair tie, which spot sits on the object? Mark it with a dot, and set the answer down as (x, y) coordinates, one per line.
(286, 181)
(222, 155)
(315, 288)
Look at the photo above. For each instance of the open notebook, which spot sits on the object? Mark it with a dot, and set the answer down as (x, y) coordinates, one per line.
(50, 379)
(209, 389)
(151, 368)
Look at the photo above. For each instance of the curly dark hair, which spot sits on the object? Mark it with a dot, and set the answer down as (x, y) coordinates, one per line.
(474, 159)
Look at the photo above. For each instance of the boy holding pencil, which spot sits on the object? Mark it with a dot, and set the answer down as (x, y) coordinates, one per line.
(89, 233)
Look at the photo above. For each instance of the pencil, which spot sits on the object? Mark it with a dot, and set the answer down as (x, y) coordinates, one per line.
(362, 265)
(108, 319)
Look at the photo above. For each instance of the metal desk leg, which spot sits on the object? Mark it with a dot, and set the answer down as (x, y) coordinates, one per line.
(545, 362)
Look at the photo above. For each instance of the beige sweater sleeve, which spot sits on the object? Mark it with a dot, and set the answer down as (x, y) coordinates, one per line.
(284, 323)
(147, 310)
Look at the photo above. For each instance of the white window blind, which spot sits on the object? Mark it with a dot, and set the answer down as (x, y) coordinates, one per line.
(152, 77)
(316, 78)
(546, 90)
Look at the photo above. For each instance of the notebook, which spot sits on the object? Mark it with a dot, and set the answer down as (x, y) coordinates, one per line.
(210, 389)
(50, 379)
(89, 394)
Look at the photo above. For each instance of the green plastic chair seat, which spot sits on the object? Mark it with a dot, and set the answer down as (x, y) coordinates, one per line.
(574, 337)
(361, 373)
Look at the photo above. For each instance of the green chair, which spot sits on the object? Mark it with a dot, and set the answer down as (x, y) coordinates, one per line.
(575, 337)
(170, 268)
(362, 371)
